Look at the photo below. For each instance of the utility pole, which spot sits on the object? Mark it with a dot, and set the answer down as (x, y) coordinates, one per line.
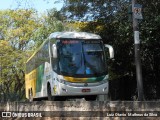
(136, 14)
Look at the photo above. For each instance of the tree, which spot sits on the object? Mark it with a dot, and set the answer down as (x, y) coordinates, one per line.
(22, 32)
(150, 27)
(17, 28)
(92, 10)
(51, 22)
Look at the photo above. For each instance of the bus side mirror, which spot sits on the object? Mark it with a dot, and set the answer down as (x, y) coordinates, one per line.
(54, 50)
(111, 51)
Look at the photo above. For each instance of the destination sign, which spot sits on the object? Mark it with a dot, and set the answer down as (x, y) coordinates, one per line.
(70, 41)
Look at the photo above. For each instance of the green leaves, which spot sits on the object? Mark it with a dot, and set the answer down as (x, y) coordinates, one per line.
(22, 32)
(52, 22)
(17, 28)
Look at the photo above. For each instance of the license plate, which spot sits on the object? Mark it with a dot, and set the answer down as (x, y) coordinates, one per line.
(86, 90)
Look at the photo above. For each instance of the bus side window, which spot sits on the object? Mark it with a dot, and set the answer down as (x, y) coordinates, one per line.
(28, 67)
(46, 52)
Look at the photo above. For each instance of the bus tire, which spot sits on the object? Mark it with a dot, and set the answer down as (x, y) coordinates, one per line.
(30, 95)
(50, 97)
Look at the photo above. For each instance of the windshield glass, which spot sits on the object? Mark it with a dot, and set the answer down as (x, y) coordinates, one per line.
(70, 56)
(94, 58)
(77, 57)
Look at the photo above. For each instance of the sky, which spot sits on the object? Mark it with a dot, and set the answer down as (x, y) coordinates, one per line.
(40, 5)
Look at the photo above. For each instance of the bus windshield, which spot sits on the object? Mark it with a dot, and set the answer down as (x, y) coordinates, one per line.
(79, 57)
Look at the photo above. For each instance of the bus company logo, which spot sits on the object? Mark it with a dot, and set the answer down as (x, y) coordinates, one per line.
(6, 114)
(85, 84)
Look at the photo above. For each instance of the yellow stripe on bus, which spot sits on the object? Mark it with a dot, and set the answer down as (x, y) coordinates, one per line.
(72, 79)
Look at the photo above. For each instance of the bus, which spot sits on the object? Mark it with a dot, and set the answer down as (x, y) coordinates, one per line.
(68, 64)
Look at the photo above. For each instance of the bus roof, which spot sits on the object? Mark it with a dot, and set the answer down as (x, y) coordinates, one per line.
(78, 35)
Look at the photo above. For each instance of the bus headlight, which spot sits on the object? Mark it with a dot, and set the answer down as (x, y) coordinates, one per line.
(62, 81)
(104, 81)
(104, 89)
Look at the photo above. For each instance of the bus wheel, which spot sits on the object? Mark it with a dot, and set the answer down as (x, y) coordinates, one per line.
(91, 97)
(30, 95)
(50, 97)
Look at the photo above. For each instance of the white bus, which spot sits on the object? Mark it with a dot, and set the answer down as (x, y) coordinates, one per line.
(68, 64)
